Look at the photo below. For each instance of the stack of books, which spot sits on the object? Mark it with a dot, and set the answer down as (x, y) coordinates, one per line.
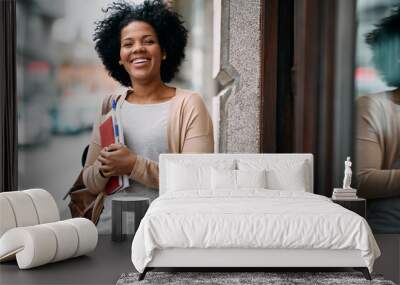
(343, 194)
(111, 133)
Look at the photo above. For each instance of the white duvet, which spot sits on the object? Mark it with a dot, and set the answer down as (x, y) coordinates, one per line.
(255, 218)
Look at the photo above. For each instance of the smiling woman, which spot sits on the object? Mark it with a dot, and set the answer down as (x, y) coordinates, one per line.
(142, 47)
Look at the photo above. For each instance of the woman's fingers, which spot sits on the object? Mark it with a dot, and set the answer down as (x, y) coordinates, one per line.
(118, 158)
(102, 159)
(113, 147)
(104, 153)
(107, 170)
(105, 167)
(109, 151)
(107, 174)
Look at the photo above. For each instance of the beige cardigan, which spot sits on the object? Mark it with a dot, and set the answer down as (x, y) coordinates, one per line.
(189, 130)
(377, 146)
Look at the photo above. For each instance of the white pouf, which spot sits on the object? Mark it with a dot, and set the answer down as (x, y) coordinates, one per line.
(31, 232)
(37, 245)
(26, 208)
(45, 205)
(7, 218)
(23, 209)
(87, 233)
(65, 236)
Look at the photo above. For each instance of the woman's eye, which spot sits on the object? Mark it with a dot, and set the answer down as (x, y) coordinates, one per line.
(127, 45)
(149, 42)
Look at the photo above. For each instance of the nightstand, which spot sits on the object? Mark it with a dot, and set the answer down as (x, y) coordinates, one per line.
(357, 205)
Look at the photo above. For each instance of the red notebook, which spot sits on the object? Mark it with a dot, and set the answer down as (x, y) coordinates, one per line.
(107, 137)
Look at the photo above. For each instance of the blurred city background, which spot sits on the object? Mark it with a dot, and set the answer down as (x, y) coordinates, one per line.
(61, 83)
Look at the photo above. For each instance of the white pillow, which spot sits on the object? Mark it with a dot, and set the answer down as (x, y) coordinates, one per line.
(196, 175)
(223, 179)
(251, 178)
(183, 178)
(236, 179)
(282, 174)
(290, 179)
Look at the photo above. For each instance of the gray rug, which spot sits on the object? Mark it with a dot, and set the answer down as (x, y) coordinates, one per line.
(231, 278)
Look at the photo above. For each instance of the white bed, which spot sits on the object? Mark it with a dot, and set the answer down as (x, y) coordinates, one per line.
(247, 210)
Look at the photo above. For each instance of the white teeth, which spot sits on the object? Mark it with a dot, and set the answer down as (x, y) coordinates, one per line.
(140, 60)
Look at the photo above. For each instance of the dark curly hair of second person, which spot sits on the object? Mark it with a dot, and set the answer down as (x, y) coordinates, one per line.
(384, 43)
(172, 36)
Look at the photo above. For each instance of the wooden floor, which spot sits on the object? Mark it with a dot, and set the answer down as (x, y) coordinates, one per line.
(102, 266)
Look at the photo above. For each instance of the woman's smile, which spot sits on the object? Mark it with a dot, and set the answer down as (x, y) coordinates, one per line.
(140, 62)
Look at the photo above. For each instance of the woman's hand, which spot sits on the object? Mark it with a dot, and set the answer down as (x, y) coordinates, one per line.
(116, 160)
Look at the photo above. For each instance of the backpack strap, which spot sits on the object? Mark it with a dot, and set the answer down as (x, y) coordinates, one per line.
(107, 103)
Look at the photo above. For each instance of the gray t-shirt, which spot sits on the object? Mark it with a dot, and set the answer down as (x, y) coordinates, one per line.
(144, 129)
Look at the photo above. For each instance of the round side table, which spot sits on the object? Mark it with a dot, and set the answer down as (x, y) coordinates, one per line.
(138, 205)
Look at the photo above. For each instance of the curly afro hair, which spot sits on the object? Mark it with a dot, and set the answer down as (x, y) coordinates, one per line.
(384, 41)
(172, 36)
(389, 26)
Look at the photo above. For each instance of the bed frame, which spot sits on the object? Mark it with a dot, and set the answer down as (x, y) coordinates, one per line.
(241, 259)
(256, 258)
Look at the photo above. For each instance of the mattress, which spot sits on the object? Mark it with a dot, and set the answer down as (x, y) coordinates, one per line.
(251, 219)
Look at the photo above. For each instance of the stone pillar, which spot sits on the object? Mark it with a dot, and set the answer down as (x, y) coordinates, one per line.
(238, 102)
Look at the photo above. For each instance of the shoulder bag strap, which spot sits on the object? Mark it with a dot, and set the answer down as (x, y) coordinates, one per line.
(107, 103)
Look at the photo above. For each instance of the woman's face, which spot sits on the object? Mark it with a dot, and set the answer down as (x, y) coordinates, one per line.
(140, 52)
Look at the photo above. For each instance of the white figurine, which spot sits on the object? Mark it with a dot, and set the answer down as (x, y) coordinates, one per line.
(347, 174)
